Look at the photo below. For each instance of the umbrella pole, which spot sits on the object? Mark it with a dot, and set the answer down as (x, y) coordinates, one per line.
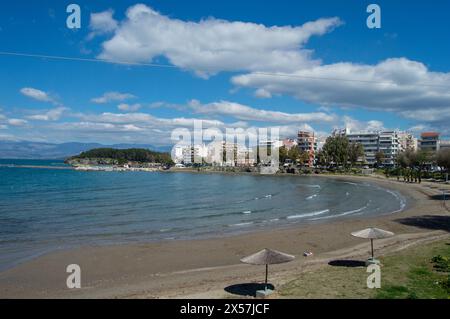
(267, 271)
(371, 244)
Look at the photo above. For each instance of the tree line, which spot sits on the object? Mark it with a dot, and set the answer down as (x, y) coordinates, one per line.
(126, 155)
(339, 152)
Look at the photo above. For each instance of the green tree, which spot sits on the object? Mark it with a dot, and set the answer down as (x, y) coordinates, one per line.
(419, 160)
(336, 149)
(413, 163)
(124, 155)
(322, 158)
(356, 150)
(404, 159)
(294, 154)
(443, 159)
(379, 158)
(283, 154)
(303, 157)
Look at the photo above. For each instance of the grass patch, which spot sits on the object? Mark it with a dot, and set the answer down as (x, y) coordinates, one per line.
(421, 272)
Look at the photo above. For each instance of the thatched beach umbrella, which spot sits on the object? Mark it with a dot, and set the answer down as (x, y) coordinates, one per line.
(372, 233)
(267, 257)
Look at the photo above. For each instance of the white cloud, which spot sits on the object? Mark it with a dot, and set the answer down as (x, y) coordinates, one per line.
(161, 104)
(212, 45)
(431, 115)
(112, 97)
(3, 127)
(51, 115)
(247, 113)
(37, 95)
(17, 122)
(417, 128)
(263, 94)
(146, 119)
(97, 127)
(356, 125)
(396, 85)
(102, 23)
(129, 107)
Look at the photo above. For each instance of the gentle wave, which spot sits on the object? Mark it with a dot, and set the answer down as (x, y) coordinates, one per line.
(265, 196)
(241, 224)
(308, 214)
(342, 214)
(400, 198)
(312, 196)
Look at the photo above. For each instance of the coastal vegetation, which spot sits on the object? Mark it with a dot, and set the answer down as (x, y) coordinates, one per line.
(412, 166)
(294, 154)
(339, 151)
(422, 272)
(111, 156)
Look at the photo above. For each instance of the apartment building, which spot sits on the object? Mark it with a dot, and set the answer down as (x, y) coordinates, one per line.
(369, 141)
(407, 142)
(388, 143)
(307, 142)
(429, 141)
(194, 154)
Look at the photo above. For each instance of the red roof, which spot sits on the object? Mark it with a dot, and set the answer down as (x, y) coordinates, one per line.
(430, 134)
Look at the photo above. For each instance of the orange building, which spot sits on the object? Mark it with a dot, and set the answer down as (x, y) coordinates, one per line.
(307, 142)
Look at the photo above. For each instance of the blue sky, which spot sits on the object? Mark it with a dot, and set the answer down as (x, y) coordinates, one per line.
(290, 64)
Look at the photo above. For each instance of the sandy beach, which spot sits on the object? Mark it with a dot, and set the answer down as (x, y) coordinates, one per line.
(204, 268)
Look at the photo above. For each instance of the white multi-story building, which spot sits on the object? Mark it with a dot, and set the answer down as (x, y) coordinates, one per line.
(387, 142)
(270, 144)
(194, 154)
(177, 154)
(369, 141)
(245, 156)
(230, 154)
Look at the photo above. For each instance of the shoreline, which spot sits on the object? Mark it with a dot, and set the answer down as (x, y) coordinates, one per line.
(234, 230)
(165, 269)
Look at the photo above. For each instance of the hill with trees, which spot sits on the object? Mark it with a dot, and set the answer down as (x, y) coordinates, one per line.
(111, 156)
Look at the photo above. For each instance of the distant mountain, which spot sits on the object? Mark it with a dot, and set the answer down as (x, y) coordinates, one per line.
(35, 150)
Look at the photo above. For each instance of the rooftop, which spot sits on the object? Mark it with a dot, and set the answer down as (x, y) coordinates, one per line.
(430, 134)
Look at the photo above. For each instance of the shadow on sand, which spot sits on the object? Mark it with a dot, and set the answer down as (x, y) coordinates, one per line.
(437, 222)
(347, 263)
(247, 289)
(440, 197)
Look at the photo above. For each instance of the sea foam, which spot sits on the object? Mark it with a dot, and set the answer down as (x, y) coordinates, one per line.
(308, 214)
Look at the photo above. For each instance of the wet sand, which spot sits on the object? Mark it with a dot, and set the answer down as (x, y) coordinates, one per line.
(203, 268)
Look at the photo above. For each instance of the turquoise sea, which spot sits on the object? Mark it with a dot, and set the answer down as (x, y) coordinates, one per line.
(42, 210)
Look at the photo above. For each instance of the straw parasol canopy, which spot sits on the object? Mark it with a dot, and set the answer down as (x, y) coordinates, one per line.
(267, 257)
(372, 233)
